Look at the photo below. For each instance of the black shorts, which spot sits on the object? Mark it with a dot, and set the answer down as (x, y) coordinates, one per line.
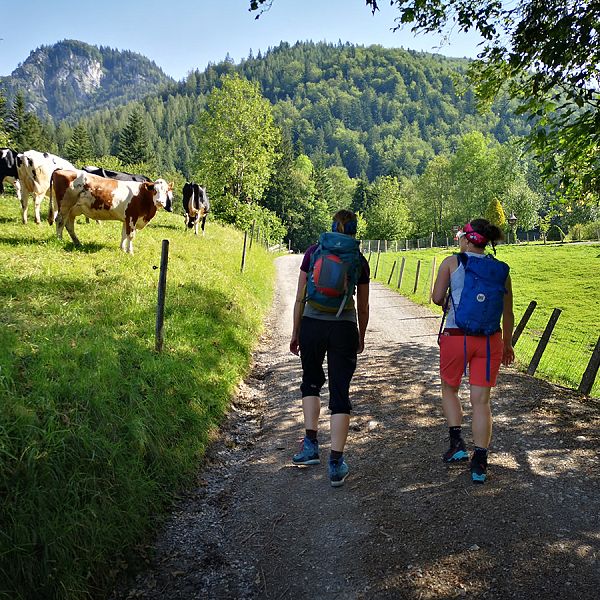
(339, 340)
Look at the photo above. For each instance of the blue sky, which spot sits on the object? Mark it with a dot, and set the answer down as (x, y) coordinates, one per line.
(182, 35)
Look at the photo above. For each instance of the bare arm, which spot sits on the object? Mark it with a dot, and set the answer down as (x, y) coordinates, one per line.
(298, 310)
(362, 306)
(508, 324)
(442, 282)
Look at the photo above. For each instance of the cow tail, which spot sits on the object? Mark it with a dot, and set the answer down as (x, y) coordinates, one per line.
(50, 211)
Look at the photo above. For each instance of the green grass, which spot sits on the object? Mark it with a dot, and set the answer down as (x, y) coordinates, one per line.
(564, 276)
(96, 429)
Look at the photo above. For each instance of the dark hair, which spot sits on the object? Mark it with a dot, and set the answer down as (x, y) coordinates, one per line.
(344, 221)
(491, 232)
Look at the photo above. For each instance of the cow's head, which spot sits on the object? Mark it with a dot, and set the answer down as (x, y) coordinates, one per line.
(162, 194)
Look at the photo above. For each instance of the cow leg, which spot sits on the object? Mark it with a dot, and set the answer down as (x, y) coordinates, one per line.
(196, 220)
(37, 206)
(24, 203)
(69, 223)
(127, 236)
(203, 223)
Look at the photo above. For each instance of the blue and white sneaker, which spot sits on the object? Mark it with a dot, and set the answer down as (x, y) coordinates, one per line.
(478, 471)
(456, 453)
(309, 453)
(338, 471)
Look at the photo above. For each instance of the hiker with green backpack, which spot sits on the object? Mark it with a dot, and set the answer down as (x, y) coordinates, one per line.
(475, 290)
(328, 322)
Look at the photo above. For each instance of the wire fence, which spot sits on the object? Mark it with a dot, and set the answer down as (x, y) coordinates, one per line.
(567, 354)
(431, 241)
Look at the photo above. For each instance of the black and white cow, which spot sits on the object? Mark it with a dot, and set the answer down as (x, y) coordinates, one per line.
(118, 175)
(195, 206)
(8, 170)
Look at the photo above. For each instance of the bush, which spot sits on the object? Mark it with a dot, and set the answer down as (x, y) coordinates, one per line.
(584, 231)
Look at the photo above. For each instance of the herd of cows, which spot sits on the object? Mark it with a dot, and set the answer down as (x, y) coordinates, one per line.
(96, 193)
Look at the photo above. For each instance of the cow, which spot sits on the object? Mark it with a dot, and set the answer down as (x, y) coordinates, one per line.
(118, 175)
(131, 202)
(195, 205)
(35, 170)
(8, 170)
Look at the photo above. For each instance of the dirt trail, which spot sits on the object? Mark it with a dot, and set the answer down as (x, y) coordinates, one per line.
(404, 525)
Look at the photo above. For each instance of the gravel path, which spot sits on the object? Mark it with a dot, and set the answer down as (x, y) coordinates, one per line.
(404, 525)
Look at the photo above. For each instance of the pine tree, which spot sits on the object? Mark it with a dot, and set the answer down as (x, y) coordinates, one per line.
(79, 147)
(16, 122)
(133, 141)
(4, 137)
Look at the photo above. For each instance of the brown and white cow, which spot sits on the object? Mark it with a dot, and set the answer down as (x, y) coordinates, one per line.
(35, 170)
(133, 203)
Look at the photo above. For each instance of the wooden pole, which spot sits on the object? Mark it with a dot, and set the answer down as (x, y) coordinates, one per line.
(244, 251)
(377, 264)
(162, 289)
(252, 234)
(587, 381)
(537, 356)
(523, 322)
(401, 274)
(391, 273)
(417, 276)
(432, 279)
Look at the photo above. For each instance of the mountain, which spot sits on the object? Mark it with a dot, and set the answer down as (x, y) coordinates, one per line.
(71, 77)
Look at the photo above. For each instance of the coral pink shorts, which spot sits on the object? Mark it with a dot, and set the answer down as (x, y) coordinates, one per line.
(452, 358)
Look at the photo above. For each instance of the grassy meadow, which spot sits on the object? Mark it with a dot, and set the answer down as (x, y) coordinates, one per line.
(564, 276)
(96, 429)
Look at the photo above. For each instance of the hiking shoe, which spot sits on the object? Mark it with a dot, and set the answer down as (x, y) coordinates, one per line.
(456, 453)
(478, 471)
(338, 471)
(309, 453)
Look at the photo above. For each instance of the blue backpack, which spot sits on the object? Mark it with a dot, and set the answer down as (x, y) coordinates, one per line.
(482, 300)
(334, 270)
(481, 303)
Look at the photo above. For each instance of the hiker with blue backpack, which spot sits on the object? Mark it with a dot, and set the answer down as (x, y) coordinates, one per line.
(475, 335)
(327, 321)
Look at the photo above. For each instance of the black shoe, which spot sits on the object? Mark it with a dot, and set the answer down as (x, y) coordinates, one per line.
(478, 471)
(457, 451)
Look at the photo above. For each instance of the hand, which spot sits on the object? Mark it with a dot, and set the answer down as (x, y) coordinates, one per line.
(361, 346)
(295, 344)
(508, 355)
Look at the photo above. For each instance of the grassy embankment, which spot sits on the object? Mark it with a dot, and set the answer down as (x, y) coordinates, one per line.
(555, 276)
(96, 429)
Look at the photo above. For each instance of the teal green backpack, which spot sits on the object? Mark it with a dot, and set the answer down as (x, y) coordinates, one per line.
(334, 270)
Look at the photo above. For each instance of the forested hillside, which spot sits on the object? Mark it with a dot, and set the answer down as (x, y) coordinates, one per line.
(372, 110)
(70, 77)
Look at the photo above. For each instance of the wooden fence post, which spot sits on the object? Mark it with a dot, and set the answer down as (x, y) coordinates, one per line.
(377, 264)
(244, 251)
(162, 289)
(252, 234)
(417, 276)
(431, 240)
(432, 279)
(523, 322)
(406, 243)
(391, 273)
(378, 246)
(587, 381)
(401, 274)
(537, 356)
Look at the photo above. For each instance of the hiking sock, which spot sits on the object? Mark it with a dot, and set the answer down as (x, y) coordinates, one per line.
(311, 434)
(480, 455)
(455, 433)
(335, 455)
